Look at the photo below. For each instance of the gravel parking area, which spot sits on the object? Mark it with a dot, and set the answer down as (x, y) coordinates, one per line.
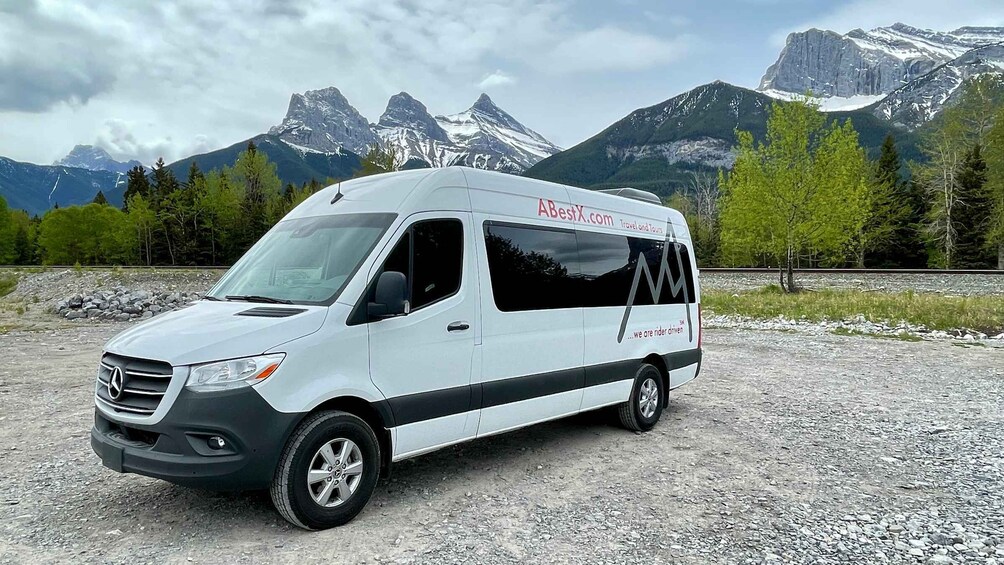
(790, 447)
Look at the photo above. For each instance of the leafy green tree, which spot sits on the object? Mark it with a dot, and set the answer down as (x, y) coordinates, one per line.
(99, 198)
(89, 235)
(143, 221)
(802, 192)
(254, 175)
(220, 202)
(8, 252)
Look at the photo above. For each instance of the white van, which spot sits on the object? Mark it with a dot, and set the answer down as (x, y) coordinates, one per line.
(392, 315)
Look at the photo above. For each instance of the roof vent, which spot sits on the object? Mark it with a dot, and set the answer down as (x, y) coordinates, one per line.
(263, 312)
(634, 194)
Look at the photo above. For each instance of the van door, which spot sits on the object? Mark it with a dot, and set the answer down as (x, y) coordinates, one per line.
(422, 361)
(532, 347)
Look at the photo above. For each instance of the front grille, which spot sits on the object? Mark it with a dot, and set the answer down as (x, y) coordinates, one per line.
(144, 383)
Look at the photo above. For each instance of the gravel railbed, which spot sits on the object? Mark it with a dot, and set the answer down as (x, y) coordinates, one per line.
(961, 285)
(790, 447)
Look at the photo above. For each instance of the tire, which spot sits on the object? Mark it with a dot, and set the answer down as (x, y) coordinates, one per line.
(343, 485)
(641, 411)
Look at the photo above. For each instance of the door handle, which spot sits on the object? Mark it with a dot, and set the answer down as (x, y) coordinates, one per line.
(458, 327)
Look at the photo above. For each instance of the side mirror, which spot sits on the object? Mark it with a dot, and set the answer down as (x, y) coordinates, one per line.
(391, 296)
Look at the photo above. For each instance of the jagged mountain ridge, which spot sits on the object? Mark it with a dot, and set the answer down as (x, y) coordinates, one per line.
(917, 102)
(484, 136)
(868, 63)
(94, 159)
(658, 147)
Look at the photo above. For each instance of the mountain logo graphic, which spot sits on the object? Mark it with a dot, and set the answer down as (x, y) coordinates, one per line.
(676, 286)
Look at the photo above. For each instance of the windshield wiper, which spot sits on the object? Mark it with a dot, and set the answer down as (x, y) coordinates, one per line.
(213, 298)
(257, 298)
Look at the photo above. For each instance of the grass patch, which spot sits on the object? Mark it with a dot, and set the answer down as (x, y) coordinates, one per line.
(936, 312)
(7, 284)
(859, 333)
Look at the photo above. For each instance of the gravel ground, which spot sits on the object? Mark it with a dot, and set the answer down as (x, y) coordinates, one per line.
(926, 282)
(790, 447)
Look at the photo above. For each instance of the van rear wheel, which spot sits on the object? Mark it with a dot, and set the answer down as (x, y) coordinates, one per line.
(643, 409)
(327, 471)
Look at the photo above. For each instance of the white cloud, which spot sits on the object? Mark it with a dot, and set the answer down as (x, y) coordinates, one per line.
(119, 139)
(496, 79)
(610, 48)
(925, 14)
(147, 80)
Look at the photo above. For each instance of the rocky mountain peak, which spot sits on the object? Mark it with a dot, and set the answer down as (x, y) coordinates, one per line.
(867, 63)
(323, 120)
(403, 111)
(485, 104)
(94, 158)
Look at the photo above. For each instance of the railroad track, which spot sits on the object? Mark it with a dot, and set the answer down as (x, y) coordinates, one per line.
(704, 270)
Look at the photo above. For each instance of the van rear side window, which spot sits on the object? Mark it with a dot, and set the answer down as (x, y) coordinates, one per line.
(539, 268)
(531, 268)
(609, 263)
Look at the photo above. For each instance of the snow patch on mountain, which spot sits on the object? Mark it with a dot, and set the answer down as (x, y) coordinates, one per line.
(831, 104)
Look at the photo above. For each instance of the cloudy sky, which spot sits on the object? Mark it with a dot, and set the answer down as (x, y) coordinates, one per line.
(149, 79)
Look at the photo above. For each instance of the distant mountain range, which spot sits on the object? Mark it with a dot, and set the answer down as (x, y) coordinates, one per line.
(36, 188)
(889, 80)
(484, 136)
(657, 148)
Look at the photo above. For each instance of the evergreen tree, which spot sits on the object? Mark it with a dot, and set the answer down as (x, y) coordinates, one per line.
(972, 221)
(164, 182)
(898, 214)
(255, 175)
(137, 183)
(99, 198)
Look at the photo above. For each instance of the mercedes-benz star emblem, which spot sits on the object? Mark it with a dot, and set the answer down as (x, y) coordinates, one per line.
(116, 383)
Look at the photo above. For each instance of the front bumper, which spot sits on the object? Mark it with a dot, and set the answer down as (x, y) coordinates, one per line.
(176, 449)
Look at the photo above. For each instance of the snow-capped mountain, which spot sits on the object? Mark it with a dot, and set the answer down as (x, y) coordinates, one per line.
(94, 159)
(484, 136)
(867, 63)
(920, 100)
(323, 120)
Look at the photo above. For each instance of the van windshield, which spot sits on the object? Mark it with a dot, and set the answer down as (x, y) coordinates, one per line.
(304, 260)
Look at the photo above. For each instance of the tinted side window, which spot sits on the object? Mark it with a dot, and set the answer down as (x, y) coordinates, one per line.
(532, 268)
(609, 263)
(437, 260)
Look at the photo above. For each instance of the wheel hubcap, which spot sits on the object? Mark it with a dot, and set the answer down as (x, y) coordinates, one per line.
(648, 400)
(335, 472)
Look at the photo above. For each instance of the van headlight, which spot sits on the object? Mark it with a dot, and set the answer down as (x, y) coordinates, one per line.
(235, 373)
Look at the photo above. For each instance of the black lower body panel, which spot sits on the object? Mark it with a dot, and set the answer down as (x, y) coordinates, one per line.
(179, 448)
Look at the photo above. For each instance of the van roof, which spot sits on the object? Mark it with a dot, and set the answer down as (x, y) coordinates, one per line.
(450, 188)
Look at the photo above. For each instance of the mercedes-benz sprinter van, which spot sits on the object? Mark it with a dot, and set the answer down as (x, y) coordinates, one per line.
(392, 315)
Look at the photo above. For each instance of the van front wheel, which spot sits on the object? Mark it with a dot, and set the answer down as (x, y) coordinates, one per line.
(327, 472)
(643, 409)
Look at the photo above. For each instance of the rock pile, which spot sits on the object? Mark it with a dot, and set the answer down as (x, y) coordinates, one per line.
(122, 304)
